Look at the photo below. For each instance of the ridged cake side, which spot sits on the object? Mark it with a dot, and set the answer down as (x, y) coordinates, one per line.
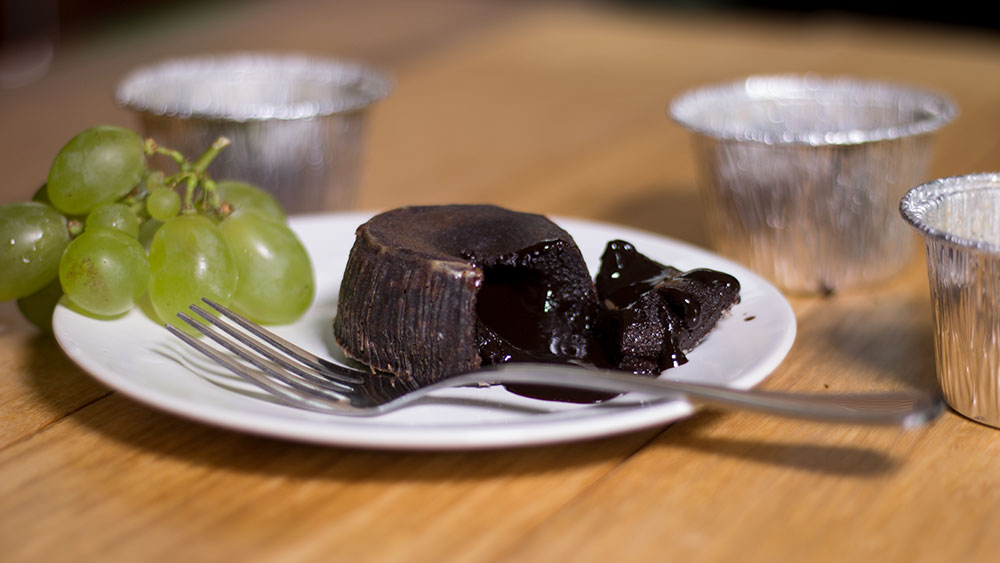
(400, 316)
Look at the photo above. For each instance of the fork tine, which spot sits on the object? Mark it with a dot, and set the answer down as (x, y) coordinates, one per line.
(281, 392)
(347, 374)
(321, 379)
(303, 389)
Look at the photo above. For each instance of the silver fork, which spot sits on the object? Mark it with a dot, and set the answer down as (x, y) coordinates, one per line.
(298, 378)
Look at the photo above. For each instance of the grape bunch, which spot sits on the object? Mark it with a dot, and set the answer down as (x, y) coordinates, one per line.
(106, 231)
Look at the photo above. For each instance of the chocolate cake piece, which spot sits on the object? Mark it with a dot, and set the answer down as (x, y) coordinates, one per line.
(653, 314)
(439, 290)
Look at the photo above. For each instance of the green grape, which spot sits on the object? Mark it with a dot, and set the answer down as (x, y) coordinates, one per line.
(147, 230)
(104, 272)
(163, 203)
(38, 306)
(151, 179)
(116, 216)
(276, 283)
(154, 179)
(42, 195)
(99, 165)
(189, 260)
(241, 195)
(32, 239)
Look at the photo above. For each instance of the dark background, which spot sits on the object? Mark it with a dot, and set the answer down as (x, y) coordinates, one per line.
(72, 19)
(966, 14)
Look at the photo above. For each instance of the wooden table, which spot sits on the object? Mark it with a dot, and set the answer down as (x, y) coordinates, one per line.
(551, 108)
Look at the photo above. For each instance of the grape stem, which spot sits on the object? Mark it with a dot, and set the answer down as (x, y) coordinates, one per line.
(191, 174)
(74, 227)
(209, 155)
(153, 148)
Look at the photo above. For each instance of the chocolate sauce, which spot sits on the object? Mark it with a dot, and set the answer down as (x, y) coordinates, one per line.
(625, 275)
(523, 316)
(528, 314)
(686, 304)
(513, 302)
(683, 303)
(712, 278)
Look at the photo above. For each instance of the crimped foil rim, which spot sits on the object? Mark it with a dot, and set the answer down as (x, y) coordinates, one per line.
(369, 85)
(683, 109)
(917, 202)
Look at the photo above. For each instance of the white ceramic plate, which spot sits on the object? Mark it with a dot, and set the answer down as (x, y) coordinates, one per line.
(139, 358)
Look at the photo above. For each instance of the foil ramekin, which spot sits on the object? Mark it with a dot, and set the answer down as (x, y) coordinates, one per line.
(802, 175)
(296, 123)
(959, 218)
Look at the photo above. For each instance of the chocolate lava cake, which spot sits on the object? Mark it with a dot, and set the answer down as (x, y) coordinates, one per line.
(426, 289)
(434, 291)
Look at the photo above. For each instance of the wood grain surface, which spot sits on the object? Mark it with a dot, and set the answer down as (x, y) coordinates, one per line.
(550, 107)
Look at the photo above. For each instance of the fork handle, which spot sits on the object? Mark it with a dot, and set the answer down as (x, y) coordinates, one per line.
(902, 408)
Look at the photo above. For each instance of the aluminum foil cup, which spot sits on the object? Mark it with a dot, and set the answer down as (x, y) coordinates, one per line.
(959, 219)
(802, 175)
(296, 123)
